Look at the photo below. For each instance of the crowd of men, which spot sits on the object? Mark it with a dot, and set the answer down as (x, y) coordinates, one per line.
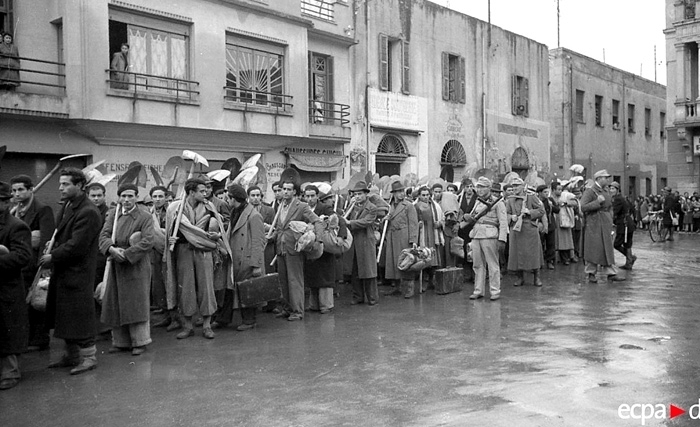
(113, 268)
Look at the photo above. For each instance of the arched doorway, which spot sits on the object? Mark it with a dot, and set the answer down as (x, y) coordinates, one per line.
(453, 156)
(391, 152)
(520, 162)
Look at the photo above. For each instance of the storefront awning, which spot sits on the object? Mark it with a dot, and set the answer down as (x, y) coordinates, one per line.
(317, 162)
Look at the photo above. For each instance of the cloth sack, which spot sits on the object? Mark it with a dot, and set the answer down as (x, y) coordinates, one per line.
(40, 294)
(332, 242)
(457, 247)
(415, 259)
(674, 219)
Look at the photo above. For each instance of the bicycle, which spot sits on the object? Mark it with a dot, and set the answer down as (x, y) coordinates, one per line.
(657, 231)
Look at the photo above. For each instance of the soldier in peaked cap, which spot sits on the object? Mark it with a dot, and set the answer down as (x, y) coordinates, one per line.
(489, 233)
(596, 205)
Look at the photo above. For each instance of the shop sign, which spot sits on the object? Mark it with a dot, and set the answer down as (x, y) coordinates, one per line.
(394, 110)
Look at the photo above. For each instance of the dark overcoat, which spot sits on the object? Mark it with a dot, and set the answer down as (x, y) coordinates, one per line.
(525, 250)
(39, 217)
(268, 215)
(598, 226)
(71, 308)
(247, 240)
(364, 243)
(128, 287)
(401, 232)
(14, 326)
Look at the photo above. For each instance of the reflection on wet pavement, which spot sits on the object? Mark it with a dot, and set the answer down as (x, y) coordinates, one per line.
(567, 354)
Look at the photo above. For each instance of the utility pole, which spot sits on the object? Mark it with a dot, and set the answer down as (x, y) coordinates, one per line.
(558, 38)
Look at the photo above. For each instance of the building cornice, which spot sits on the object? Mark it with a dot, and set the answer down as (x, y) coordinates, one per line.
(267, 11)
(343, 40)
(149, 11)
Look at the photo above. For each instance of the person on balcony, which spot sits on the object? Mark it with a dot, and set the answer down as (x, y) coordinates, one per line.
(318, 110)
(120, 64)
(9, 63)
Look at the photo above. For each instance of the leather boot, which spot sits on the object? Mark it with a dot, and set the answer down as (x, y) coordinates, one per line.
(70, 358)
(88, 361)
(395, 289)
(537, 281)
(408, 288)
(520, 280)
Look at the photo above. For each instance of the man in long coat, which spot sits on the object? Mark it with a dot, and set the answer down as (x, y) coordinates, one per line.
(596, 205)
(71, 308)
(125, 306)
(14, 330)
(524, 212)
(624, 225)
(158, 295)
(39, 217)
(290, 263)
(363, 252)
(319, 274)
(402, 233)
(246, 237)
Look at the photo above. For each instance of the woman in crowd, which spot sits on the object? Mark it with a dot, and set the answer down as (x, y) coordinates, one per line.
(9, 63)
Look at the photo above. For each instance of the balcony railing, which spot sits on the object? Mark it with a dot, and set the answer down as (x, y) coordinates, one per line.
(34, 72)
(137, 84)
(328, 113)
(323, 9)
(257, 98)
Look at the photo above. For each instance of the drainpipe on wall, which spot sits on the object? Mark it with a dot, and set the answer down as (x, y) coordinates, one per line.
(367, 75)
(572, 148)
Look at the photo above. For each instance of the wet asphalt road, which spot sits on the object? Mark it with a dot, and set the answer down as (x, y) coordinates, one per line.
(538, 357)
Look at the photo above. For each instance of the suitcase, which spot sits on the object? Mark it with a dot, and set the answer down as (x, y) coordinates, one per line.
(448, 280)
(258, 290)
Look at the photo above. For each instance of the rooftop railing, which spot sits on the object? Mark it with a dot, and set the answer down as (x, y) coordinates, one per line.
(323, 9)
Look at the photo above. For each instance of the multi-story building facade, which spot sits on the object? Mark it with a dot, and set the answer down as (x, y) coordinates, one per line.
(226, 79)
(606, 118)
(445, 94)
(683, 97)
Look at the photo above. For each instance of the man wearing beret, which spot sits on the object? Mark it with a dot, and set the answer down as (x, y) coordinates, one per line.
(16, 253)
(125, 306)
(489, 234)
(40, 219)
(70, 308)
(596, 205)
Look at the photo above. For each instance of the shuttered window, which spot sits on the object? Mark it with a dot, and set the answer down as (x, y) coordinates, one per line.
(520, 96)
(405, 74)
(453, 78)
(384, 71)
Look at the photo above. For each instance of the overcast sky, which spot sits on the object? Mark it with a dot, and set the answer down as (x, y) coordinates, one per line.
(626, 29)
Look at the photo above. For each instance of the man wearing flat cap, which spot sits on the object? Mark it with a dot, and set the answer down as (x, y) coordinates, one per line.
(402, 233)
(489, 234)
(14, 328)
(596, 205)
(125, 306)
